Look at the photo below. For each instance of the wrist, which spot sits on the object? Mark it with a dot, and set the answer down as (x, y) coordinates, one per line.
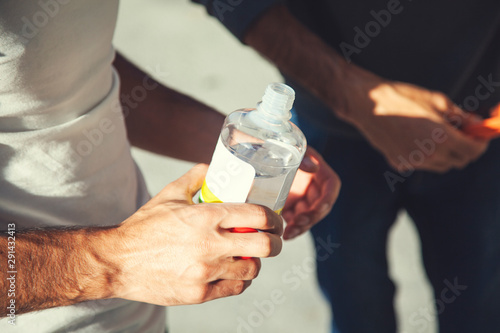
(104, 279)
(357, 100)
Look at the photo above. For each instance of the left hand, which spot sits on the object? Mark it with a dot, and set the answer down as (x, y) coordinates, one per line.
(314, 191)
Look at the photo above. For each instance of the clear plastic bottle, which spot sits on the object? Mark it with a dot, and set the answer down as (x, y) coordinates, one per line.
(258, 153)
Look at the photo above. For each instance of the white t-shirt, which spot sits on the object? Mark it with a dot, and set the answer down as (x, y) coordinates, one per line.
(64, 155)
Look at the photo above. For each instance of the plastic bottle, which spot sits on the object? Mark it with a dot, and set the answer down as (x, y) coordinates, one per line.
(258, 153)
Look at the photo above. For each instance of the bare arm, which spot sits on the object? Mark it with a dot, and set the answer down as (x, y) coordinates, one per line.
(169, 252)
(55, 268)
(167, 122)
(391, 115)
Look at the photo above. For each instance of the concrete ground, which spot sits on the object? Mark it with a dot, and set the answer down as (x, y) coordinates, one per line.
(179, 44)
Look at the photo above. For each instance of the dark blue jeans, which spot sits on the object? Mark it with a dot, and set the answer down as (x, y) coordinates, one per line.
(457, 216)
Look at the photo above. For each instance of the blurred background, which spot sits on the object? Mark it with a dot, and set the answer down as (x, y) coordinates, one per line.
(176, 42)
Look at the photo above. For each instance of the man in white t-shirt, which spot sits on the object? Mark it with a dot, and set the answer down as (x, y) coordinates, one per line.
(81, 239)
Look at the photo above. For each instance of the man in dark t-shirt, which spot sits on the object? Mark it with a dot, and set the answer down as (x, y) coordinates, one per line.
(383, 91)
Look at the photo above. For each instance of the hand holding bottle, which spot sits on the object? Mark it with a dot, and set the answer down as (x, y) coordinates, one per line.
(314, 191)
(173, 252)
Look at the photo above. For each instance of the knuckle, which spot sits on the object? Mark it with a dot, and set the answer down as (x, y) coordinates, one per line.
(201, 272)
(204, 246)
(199, 294)
(268, 219)
(238, 287)
(440, 100)
(251, 270)
(260, 212)
(231, 288)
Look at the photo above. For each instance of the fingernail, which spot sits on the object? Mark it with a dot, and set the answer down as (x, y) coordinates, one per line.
(302, 221)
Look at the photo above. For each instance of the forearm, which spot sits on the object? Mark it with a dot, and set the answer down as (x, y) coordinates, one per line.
(167, 122)
(303, 56)
(49, 268)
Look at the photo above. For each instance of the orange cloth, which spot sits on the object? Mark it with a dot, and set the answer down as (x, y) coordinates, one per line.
(488, 128)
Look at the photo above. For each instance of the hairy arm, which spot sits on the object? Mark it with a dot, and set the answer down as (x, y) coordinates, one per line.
(302, 55)
(165, 121)
(47, 271)
(392, 115)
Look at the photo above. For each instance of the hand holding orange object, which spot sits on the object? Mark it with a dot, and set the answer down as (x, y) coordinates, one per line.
(488, 128)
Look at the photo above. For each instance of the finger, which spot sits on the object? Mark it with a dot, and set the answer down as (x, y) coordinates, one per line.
(313, 193)
(240, 269)
(330, 191)
(258, 245)
(302, 207)
(303, 222)
(251, 216)
(454, 115)
(458, 159)
(288, 213)
(310, 163)
(187, 185)
(471, 148)
(293, 232)
(225, 288)
(240, 231)
(318, 204)
(471, 119)
(317, 198)
(299, 187)
(440, 161)
(442, 102)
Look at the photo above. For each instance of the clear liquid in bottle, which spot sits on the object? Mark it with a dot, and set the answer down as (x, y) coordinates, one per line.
(258, 153)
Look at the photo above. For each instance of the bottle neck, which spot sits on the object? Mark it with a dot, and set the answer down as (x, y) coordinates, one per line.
(273, 115)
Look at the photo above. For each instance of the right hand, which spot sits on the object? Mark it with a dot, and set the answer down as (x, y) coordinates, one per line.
(173, 252)
(394, 116)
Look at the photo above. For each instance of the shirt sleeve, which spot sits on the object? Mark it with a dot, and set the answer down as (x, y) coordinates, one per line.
(237, 15)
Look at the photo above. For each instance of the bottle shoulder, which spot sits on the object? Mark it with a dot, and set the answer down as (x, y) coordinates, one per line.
(247, 125)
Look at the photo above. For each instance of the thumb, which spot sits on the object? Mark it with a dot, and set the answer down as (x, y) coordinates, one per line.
(187, 185)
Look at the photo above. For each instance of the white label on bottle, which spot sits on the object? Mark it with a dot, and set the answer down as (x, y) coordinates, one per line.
(228, 179)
